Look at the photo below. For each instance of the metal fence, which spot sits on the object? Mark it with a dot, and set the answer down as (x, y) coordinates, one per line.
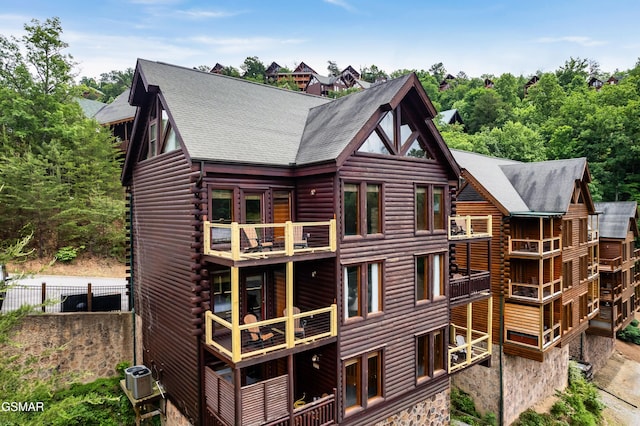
(66, 298)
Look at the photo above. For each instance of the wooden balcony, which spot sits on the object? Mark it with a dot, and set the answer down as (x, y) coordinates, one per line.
(242, 242)
(264, 403)
(467, 347)
(469, 227)
(535, 292)
(525, 338)
(611, 293)
(610, 265)
(236, 343)
(636, 254)
(463, 287)
(528, 248)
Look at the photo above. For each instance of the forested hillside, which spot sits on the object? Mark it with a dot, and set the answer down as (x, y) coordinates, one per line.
(59, 171)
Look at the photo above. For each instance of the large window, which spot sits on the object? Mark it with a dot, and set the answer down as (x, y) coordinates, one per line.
(221, 286)
(429, 276)
(430, 355)
(363, 380)
(362, 208)
(430, 208)
(359, 300)
(567, 275)
(567, 233)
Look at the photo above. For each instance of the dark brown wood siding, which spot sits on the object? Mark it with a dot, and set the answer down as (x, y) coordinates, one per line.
(162, 228)
(395, 329)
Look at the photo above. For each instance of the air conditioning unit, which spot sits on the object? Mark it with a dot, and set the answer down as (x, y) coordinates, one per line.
(141, 385)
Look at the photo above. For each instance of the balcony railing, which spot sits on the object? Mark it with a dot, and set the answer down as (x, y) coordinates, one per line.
(463, 353)
(264, 402)
(610, 265)
(611, 293)
(255, 241)
(467, 227)
(279, 333)
(462, 286)
(535, 292)
(636, 254)
(534, 248)
(593, 269)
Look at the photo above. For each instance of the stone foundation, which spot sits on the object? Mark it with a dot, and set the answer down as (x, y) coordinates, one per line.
(525, 382)
(79, 346)
(595, 350)
(173, 416)
(433, 411)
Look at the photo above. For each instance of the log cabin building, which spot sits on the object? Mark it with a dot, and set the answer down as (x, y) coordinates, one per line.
(619, 267)
(293, 257)
(544, 271)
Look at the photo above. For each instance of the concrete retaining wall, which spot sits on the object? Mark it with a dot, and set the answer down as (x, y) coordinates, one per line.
(80, 345)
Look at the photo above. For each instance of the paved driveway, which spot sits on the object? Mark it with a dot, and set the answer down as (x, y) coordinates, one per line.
(620, 384)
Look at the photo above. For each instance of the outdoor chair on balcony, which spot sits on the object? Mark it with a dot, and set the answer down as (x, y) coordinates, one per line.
(298, 324)
(256, 337)
(255, 243)
(299, 237)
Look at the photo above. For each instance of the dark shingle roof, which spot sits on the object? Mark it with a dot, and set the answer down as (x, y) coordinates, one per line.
(89, 106)
(546, 186)
(117, 111)
(539, 187)
(257, 123)
(614, 218)
(253, 123)
(330, 127)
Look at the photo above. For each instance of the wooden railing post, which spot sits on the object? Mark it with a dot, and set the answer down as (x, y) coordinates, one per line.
(235, 241)
(89, 298)
(206, 229)
(333, 235)
(288, 238)
(43, 295)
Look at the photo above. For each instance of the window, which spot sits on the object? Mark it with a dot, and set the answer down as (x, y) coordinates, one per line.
(359, 300)
(396, 135)
(353, 388)
(583, 306)
(583, 231)
(567, 275)
(222, 206)
(351, 209)
(438, 208)
(584, 266)
(567, 233)
(429, 276)
(422, 209)
(567, 316)
(430, 354)
(221, 285)
(430, 215)
(153, 136)
(363, 380)
(365, 198)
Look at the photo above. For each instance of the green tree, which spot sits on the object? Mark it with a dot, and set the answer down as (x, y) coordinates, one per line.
(372, 74)
(59, 170)
(333, 68)
(253, 69)
(514, 141)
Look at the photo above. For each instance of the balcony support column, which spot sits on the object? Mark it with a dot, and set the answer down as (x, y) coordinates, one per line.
(289, 329)
(490, 324)
(236, 344)
(469, 332)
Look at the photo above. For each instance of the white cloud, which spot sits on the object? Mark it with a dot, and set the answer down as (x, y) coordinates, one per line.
(581, 40)
(341, 3)
(205, 14)
(246, 44)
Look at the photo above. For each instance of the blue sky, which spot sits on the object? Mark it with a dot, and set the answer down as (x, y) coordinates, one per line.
(477, 37)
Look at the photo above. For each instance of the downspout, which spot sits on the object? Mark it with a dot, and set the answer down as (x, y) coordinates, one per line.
(131, 269)
(501, 332)
(201, 407)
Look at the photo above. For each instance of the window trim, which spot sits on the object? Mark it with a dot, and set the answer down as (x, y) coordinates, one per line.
(363, 380)
(430, 370)
(362, 210)
(430, 298)
(430, 216)
(363, 291)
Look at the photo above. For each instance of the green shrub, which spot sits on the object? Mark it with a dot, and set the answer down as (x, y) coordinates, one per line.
(630, 334)
(635, 322)
(68, 254)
